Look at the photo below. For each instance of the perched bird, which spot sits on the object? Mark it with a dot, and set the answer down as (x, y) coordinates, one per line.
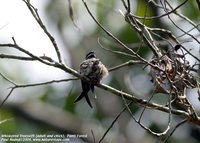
(94, 70)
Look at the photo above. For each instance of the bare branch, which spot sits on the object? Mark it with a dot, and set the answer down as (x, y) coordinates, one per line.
(160, 16)
(11, 91)
(5, 56)
(5, 120)
(35, 14)
(143, 102)
(94, 141)
(128, 63)
(31, 85)
(114, 51)
(176, 127)
(7, 79)
(113, 122)
(181, 28)
(110, 34)
(141, 125)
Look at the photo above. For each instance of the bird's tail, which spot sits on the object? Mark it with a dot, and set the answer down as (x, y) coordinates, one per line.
(83, 94)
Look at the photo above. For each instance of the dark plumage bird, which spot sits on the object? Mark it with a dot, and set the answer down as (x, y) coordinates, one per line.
(93, 69)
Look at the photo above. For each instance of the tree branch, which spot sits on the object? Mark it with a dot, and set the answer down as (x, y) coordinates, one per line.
(36, 16)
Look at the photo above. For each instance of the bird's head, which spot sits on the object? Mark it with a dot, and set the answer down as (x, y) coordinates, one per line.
(90, 55)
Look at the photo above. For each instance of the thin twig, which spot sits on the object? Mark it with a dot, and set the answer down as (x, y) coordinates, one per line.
(139, 120)
(35, 14)
(144, 127)
(144, 33)
(5, 56)
(179, 27)
(143, 102)
(7, 79)
(14, 57)
(30, 85)
(45, 83)
(124, 4)
(128, 63)
(94, 141)
(114, 51)
(5, 120)
(160, 16)
(113, 122)
(178, 14)
(5, 99)
(109, 33)
(139, 123)
(176, 127)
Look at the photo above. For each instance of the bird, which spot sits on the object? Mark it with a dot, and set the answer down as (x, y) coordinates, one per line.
(95, 71)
